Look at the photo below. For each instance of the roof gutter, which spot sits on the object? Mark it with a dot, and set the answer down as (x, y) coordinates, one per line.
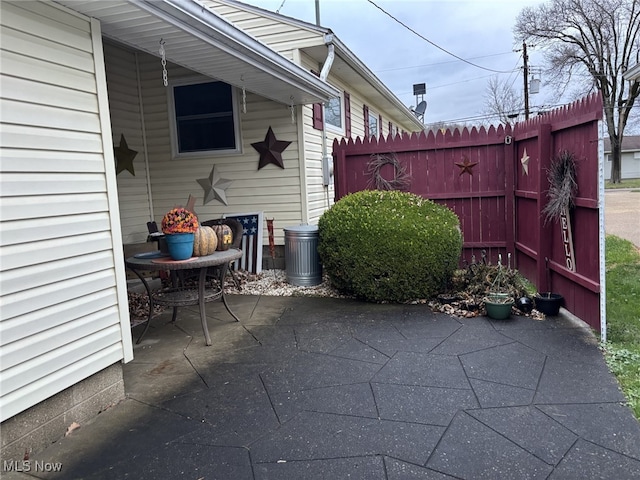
(198, 20)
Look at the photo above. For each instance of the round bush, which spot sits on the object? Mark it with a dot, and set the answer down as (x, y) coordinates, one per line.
(389, 246)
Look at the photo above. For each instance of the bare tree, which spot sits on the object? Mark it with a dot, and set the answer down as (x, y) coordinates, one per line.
(590, 44)
(443, 126)
(502, 101)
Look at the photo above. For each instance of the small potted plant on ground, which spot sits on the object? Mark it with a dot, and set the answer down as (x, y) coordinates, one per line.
(498, 303)
(548, 303)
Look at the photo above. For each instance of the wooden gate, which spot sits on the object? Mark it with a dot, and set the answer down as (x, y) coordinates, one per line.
(495, 180)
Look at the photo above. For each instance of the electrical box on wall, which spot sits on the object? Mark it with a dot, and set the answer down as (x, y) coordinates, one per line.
(327, 170)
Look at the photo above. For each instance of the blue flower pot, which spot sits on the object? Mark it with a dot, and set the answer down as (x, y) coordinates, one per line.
(180, 245)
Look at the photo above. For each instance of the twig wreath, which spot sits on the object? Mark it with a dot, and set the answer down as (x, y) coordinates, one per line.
(562, 186)
(401, 179)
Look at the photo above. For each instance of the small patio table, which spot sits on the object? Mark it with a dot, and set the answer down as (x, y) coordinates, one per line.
(179, 295)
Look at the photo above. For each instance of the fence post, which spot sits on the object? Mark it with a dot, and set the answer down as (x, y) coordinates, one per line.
(339, 170)
(544, 231)
(509, 198)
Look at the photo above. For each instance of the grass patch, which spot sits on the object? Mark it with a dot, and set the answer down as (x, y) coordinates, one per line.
(622, 351)
(626, 183)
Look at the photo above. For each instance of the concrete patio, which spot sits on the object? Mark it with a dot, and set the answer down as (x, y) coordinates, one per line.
(321, 388)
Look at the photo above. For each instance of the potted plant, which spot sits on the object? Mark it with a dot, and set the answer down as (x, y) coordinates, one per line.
(179, 226)
(548, 303)
(498, 306)
(498, 303)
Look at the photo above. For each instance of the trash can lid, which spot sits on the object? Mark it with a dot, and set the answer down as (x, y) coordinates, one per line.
(302, 228)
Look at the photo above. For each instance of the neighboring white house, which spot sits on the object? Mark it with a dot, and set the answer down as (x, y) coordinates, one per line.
(630, 162)
(630, 159)
(81, 79)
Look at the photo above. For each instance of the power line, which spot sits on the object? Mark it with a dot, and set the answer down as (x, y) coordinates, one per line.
(487, 116)
(440, 63)
(432, 43)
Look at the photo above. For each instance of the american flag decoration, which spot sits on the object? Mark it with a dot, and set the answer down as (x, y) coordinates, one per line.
(251, 245)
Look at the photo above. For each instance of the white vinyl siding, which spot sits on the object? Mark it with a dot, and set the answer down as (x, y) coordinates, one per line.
(63, 291)
(281, 36)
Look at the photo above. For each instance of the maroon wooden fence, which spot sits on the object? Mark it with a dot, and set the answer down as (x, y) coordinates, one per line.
(495, 180)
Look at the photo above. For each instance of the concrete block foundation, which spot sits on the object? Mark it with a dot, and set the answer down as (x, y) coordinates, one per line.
(45, 423)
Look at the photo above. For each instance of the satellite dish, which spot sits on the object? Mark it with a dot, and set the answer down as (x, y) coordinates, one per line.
(419, 110)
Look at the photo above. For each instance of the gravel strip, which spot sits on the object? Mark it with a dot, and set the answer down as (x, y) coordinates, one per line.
(274, 283)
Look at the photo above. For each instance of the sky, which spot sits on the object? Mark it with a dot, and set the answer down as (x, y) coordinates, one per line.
(479, 31)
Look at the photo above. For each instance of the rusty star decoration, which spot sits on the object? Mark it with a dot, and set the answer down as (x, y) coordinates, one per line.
(124, 157)
(270, 150)
(525, 162)
(214, 187)
(466, 166)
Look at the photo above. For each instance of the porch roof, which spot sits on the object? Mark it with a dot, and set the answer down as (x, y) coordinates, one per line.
(633, 73)
(200, 40)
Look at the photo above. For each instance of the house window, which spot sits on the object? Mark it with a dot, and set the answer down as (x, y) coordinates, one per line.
(373, 124)
(333, 113)
(205, 118)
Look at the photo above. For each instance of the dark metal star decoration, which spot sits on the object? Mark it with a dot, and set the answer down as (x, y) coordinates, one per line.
(270, 150)
(466, 166)
(124, 157)
(214, 187)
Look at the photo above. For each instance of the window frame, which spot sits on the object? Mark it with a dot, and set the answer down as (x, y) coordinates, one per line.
(373, 116)
(332, 127)
(173, 125)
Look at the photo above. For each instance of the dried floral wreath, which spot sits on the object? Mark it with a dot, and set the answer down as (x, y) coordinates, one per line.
(562, 186)
(401, 179)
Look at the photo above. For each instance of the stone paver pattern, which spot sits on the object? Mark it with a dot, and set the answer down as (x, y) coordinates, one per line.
(318, 388)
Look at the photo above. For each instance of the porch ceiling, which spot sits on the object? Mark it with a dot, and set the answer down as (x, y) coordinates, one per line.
(198, 39)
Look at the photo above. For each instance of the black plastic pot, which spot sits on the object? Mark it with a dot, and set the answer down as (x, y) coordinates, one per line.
(549, 303)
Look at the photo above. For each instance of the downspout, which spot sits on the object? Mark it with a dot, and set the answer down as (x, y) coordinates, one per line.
(324, 73)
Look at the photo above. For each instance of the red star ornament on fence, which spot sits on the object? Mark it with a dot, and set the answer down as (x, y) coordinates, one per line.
(466, 166)
(270, 150)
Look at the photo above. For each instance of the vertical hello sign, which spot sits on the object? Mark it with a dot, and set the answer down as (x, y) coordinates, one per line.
(567, 241)
(561, 195)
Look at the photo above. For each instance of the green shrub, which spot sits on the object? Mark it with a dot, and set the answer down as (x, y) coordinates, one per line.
(389, 246)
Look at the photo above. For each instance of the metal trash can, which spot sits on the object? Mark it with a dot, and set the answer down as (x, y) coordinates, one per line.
(301, 258)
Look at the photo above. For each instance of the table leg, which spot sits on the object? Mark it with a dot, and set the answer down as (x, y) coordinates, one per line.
(174, 283)
(146, 286)
(223, 273)
(203, 313)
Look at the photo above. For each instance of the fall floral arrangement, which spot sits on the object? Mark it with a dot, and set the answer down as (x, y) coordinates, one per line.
(179, 220)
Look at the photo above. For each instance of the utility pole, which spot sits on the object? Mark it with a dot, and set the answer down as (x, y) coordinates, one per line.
(318, 13)
(526, 80)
